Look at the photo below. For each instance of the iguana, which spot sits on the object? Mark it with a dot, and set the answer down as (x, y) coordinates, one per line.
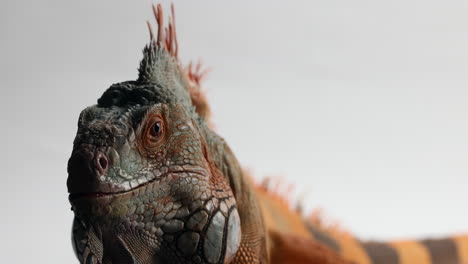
(151, 182)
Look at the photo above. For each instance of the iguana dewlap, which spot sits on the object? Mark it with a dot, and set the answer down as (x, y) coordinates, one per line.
(151, 182)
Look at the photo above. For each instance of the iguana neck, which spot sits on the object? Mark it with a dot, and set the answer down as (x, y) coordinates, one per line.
(253, 247)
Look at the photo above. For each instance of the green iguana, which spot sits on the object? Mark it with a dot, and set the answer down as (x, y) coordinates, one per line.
(151, 182)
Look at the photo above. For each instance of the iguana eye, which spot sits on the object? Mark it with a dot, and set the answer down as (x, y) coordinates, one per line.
(153, 130)
(156, 129)
(152, 133)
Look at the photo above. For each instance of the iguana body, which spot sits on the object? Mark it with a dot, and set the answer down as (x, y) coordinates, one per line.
(151, 182)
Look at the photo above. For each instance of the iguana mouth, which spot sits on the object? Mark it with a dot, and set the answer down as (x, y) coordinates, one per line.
(97, 195)
(94, 195)
(73, 196)
(100, 194)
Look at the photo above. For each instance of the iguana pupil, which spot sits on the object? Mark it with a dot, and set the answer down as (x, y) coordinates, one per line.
(156, 129)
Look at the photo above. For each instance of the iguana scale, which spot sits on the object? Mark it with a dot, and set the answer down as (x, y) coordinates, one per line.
(151, 182)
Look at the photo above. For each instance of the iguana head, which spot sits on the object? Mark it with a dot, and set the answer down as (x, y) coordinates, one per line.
(144, 181)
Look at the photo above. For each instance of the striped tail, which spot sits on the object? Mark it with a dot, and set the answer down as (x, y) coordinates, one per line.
(431, 251)
(452, 250)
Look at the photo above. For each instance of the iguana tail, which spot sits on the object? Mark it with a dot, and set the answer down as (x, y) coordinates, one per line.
(452, 250)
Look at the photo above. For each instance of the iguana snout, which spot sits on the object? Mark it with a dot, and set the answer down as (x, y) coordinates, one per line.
(88, 166)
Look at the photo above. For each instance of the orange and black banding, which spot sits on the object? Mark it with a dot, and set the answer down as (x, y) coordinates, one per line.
(411, 251)
(442, 251)
(381, 253)
(452, 250)
(462, 247)
(434, 251)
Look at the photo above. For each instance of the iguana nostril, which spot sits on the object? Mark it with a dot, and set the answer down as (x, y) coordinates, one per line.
(102, 163)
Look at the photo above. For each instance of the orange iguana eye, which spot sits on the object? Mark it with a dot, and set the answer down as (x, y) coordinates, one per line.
(152, 134)
(153, 131)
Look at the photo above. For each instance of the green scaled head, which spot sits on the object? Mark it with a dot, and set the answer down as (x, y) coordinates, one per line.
(144, 180)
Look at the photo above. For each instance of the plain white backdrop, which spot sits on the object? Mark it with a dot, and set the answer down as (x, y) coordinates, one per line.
(362, 105)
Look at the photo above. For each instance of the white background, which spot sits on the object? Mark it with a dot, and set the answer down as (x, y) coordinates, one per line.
(362, 105)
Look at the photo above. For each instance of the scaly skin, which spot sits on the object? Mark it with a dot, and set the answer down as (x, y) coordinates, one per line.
(150, 182)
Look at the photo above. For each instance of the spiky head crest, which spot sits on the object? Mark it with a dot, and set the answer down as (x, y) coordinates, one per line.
(161, 65)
